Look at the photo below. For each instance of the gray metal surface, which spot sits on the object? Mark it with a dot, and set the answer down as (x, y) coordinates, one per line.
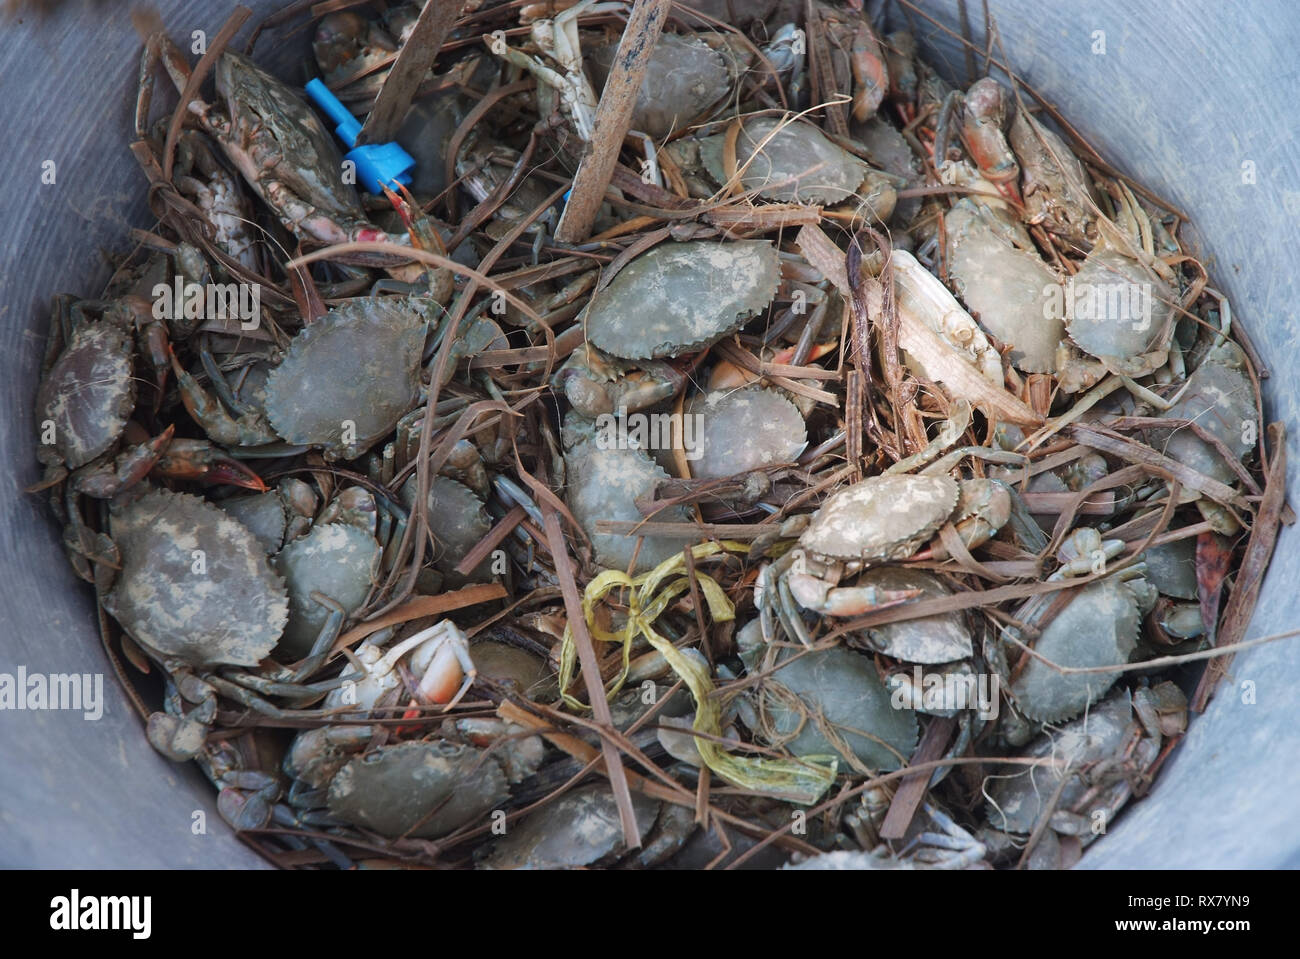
(1184, 95)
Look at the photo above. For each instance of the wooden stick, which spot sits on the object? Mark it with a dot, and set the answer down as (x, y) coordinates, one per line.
(613, 118)
(412, 64)
(1250, 576)
(618, 776)
(913, 788)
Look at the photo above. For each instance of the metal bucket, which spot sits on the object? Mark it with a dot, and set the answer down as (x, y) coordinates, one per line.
(1195, 99)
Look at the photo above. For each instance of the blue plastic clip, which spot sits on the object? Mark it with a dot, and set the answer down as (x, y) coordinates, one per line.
(377, 163)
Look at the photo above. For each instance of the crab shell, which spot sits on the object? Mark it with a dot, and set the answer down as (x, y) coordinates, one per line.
(683, 79)
(221, 606)
(458, 521)
(1171, 568)
(1098, 628)
(350, 375)
(1221, 399)
(1003, 281)
(263, 514)
(424, 789)
(842, 687)
(284, 151)
(1020, 794)
(941, 638)
(580, 828)
(681, 297)
(335, 559)
(604, 485)
(1119, 312)
(743, 430)
(1056, 194)
(792, 161)
(881, 518)
(88, 394)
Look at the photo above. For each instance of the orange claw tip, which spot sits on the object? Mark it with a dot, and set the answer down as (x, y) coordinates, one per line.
(229, 472)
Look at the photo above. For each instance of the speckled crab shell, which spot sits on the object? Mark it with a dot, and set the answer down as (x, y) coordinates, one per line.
(743, 430)
(359, 365)
(941, 638)
(881, 518)
(426, 789)
(1098, 628)
(681, 297)
(88, 394)
(224, 606)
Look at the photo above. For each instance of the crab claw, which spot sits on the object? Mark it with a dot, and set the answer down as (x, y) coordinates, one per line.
(418, 226)
(816, 594)
(199, 460)
(127, 470)
(984, 126)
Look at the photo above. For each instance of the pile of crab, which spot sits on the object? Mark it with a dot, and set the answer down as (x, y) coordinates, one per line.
(859, 486)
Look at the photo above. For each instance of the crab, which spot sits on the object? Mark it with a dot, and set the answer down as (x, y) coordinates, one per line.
(1220, 398)
(1121, 304)
(685, 79)
(353, 52)
(681, 297)
(582, 829)
(997, 272)
(424, 788)
(438, 655)
(825, 702)
(337, 560)
(921, 295)
(742, 430)
(557, 40)
(1057, 192)
(942, 845)
(276, 516)
(457, 521)
(1102, 757)
(280, 147)
(604, 482)
(343, 383)
(420, 789)
(193, 589)
(217, 193)
(791, 161)
(482, 165)
(596, 384)
(878, 520)
(857, 64)
(941, 638)
(87, 396)
(1099, 627)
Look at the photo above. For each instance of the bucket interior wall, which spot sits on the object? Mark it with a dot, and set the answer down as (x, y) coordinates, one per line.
(1195, 99)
